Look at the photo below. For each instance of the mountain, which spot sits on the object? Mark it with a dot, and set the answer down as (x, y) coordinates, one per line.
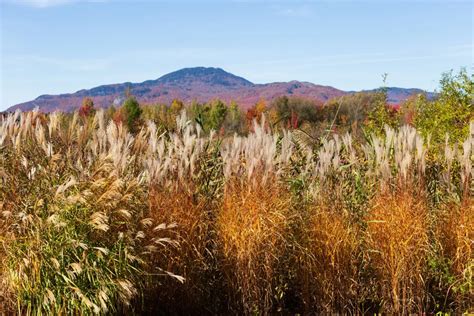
(199, 83)
(209, 76)
(396, 95)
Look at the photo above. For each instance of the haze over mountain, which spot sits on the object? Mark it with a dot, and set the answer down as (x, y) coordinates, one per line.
(199, 83)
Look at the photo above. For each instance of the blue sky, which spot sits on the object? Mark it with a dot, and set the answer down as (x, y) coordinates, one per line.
(59, 46)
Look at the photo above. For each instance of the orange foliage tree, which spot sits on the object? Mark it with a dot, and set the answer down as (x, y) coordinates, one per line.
(256, 112)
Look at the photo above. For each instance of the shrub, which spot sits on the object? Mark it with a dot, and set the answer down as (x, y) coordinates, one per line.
(131, 111)
(451, 112)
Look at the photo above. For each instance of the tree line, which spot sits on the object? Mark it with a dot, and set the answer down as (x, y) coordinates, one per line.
(360, 113)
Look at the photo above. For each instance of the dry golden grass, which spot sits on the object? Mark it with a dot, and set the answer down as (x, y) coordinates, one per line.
(397, 241)
(330, 268)
(94, 219)
(189, 255)
(252, 228)
(455, 234)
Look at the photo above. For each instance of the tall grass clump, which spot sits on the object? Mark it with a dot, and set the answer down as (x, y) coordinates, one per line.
(329, 242)
(329, 271)
(455, 261)
(397, 242)
(184, 191)
(452, 261)
(252, 227)
(74, 215)
(253, 223)
(397, 234)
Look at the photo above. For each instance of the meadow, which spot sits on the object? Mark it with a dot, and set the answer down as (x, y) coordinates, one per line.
(98, 216)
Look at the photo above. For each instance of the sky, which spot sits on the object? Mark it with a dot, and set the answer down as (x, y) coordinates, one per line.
(61, 46)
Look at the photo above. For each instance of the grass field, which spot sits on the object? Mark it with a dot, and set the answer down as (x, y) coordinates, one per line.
(94, 219)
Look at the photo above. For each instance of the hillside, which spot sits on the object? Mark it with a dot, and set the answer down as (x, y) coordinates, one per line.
(199, 83)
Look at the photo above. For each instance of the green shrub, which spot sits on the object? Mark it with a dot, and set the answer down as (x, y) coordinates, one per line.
(132, 112)
(451, 112)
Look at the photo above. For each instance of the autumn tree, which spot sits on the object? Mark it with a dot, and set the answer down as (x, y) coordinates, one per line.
(87, 107)
(290, 112)
(256, 112)
(349, 112)
(260, 107)
(408, 108)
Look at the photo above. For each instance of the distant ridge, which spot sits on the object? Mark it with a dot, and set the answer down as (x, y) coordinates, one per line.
(198, 83)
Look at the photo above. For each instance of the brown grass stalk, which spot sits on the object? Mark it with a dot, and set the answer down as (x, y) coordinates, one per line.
(397, 241)
(252, 228)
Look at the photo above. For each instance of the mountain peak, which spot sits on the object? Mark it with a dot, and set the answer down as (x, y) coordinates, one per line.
(206, 75)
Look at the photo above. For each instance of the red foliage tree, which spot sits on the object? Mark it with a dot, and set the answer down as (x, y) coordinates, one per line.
(87, 107)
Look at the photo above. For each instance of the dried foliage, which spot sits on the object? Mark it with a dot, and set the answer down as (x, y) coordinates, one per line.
(397, 242)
